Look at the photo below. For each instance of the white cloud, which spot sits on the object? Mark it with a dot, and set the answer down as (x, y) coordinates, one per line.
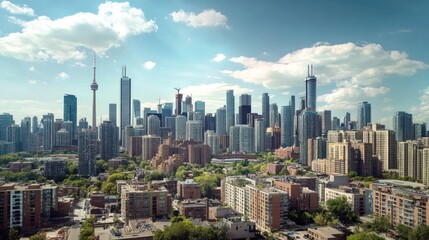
(361, 64)
(207, 18)
(346, 96)
(16, 20)
(420, 111)
(32, 69)
(68, 37)
(32, 82)
(15, 9)
(149, 65)
(219, 57)
(63, 76)
(78, 64)
(213, 94)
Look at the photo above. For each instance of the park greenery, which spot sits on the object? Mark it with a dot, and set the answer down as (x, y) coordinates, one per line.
(87, 229)
(364, 236)
(337, 210)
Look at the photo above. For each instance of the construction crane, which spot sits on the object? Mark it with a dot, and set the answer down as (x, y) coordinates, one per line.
(178, 90)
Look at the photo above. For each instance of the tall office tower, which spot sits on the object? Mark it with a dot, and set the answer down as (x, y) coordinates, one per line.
(326, 121)
(112, 113)
(136, 110)
(266, 109)
(309, 127)
(209, 122)
(70, 113)
(292, 103)
(6, 120)
(125, 111)
(287, 126)
(62, 138)
(425, 166)
(419, 130)
(153, 125)
(335, 125)
(35, 125)
(230, 109)
(180, 127)
(48, 131)
(347, 121)
(188, 104)
(234, 139)
(150, 146)
(221, 121)
(200, 106)
(13, 134)
(167, 111)
(259, 135)
(310, 90)
(179, 97)
(109, 144)
(364, 115)
(129, 132)
(83, 124)
(26, 136)
(251, 117)
(87, 143)
(194, 130)
(244, 108)
(274, 115)
(68, 125)
(94, 88)
(170, 123)
(403, 126)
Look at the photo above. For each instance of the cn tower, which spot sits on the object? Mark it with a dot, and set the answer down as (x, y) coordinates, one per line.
(94, 88)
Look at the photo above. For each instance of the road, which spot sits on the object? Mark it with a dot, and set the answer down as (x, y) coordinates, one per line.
(79, 214)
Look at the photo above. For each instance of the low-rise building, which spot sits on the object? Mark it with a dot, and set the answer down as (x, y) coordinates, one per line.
(194, 208)
(188, 189)
(274, 168)
(326, 233)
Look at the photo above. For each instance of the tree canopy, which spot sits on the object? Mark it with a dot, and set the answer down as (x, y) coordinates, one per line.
(364, 236)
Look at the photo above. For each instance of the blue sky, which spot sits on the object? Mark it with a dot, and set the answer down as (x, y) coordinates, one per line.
(372, 51)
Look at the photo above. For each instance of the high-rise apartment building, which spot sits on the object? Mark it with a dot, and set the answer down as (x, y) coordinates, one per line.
(194, 130)
(109, 145)
(230, 109)
(241, 138)
(287, 126)
(309, 127)
(153, 125)
(200, 106)
(136, 110)
(6, 120)
(26, 135)
(125, 105)
(244, 108)
(410, 159)
(212, 139)
(259, 135)
(87, 143)
(129, 132)
(48, 131)
(180, 127)
(364, 115)
(326, 121)
(150, 146)
(13, 134)
(274, 115)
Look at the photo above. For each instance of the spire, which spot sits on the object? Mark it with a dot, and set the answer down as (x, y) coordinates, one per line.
(308, 70)
(311, 70)
(94, 66)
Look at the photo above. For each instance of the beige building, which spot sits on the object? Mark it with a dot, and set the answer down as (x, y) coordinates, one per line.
(188, 189)
(410, 162)
(139, 203)
(326, 233)
(384, 146)
(352, 195)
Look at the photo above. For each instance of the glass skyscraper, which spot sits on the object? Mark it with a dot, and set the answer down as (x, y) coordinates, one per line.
(266, 109)
(244, 107)
(230, 109)
(70, 112)
(364, 115)
(403, 126)
(125, 111)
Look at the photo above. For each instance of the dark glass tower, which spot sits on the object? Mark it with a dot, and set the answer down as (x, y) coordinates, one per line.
(70, 112)
(244, 108)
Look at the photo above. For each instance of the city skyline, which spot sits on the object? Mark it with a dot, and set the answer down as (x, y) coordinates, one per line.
(207, 48)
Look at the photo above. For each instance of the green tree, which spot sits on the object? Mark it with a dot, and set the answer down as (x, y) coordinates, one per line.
(155, 175)
(207, 182)
(101, 166)
(38, 236)
(284, 171)
(116, 176)
(403, 232)
(381, 225)
(421, 232)
(87, 229)
(364, 236)
(341, 209)
(13, 234)
(109, 189)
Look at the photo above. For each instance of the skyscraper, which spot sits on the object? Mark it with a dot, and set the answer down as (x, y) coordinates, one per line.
(112, 113)
(109, 144)
(94, 88)
(309, 127)
(287, 126)
(326, 121)
(6, 120)
(153, 125)
(167, 111)
(194, 130)
(125, 111)
(364, 115)
(274, 115)
(266, 109)
(179, 97)
(26, 142)
(346, 121)
(230, 109)
(180, 127)
(221, 121)
(87, 150)
(14, 135)
(48, 131)
(136, 110)
(403, 126)
(310, 89)
(188, 104)
(70, 112)
(244, 107)
(200, 106)
(35, 125)
(259, 135)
